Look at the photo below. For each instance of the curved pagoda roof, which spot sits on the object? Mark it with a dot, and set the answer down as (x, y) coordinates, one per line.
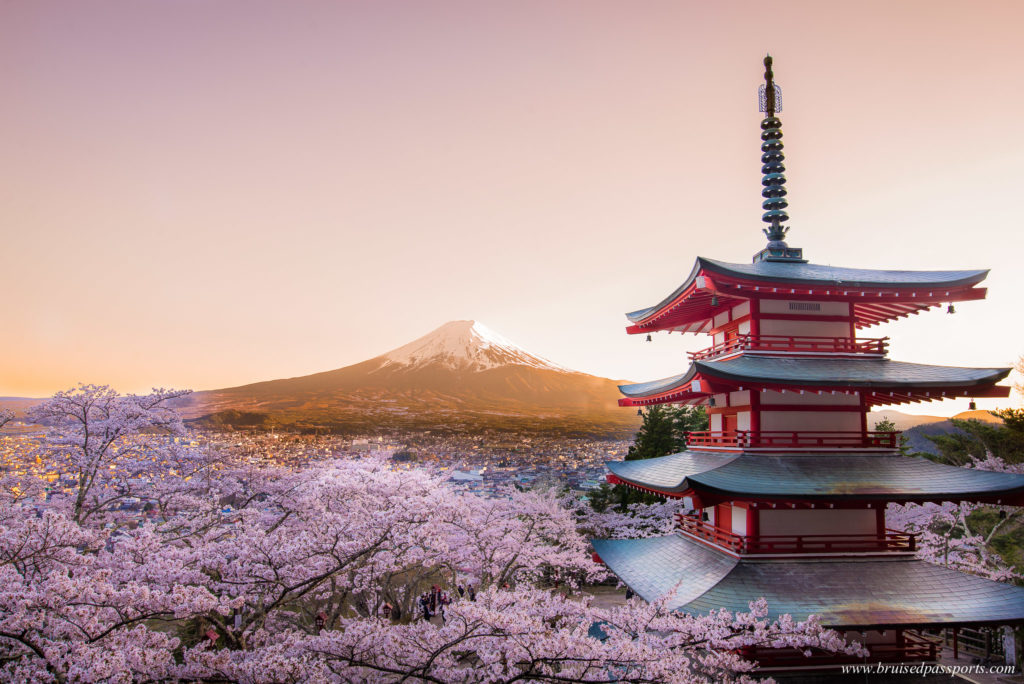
(877, 295)
(847, 593)
(809, 477)
(892, 382)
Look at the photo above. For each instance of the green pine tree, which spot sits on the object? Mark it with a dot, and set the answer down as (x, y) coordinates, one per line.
(663, 432)
(975, 438)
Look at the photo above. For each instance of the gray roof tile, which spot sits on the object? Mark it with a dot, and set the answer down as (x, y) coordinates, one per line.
(822, 476)
(845, 593)
(865, 373)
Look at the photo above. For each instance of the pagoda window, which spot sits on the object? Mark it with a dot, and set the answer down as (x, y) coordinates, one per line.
(808, 309)
(804, 319)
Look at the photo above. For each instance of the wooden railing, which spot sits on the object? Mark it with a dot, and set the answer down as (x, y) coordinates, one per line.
(980, 643)
(796, 345)
(891, 540)
(786, 439)
(918, 647)
(913, 649)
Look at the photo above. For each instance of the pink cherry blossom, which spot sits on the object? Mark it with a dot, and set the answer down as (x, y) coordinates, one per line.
(186, 593)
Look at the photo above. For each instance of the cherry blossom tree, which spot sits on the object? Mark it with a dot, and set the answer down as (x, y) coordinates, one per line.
(288, 584)
(638, 521)
(73, 610)
(106, 448)
(946, 534)
(530, 634)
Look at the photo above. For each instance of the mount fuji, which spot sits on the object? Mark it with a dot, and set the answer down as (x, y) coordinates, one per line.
(462, 377)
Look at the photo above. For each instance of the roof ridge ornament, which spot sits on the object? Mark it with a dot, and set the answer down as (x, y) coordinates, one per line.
(773, 174)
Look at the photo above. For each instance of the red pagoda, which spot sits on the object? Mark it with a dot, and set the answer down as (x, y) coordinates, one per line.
(788, 489)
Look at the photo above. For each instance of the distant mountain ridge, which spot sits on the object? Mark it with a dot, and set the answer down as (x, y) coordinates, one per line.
(907, 421)
(460, 377)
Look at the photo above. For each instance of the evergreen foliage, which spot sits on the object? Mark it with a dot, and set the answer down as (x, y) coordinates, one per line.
(1001, 529)
(663, 432)
(974, 439)
(887, 425)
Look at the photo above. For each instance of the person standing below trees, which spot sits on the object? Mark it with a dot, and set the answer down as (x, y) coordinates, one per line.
(425, 605)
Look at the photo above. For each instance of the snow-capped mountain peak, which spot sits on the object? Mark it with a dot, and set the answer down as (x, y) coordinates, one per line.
(465, 345)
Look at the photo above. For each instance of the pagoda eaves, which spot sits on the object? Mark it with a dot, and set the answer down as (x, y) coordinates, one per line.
(862, 593)
(876, 296)
(888, 382)
(814, 478)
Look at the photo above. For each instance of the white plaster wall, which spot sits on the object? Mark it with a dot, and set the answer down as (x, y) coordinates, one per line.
(739, 398)
(716, 422)
(721, 319)
(807, 328)
(739, 520)
(810, 421)
(740, 310)
(744, 328)
(743, 420)
(718, 338)
(816, 521)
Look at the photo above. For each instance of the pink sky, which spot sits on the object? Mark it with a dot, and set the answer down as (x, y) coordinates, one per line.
(203, 194)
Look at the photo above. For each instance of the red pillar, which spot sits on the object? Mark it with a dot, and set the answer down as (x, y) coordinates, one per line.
(755, 411)
(863, 415)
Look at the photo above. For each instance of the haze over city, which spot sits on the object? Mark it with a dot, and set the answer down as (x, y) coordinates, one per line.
(206, 195)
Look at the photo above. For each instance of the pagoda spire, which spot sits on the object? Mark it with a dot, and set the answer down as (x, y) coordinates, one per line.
(773, 174)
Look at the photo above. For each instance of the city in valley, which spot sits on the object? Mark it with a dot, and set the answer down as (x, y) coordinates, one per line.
(483, 464)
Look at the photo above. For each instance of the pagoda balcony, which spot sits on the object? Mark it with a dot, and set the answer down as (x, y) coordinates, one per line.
(805, 346)
(891, 540)
(786, 439)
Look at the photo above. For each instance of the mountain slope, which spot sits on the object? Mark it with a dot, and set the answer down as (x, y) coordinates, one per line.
(460, 377)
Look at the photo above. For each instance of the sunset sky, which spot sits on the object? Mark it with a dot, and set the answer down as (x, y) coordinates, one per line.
(204, 194)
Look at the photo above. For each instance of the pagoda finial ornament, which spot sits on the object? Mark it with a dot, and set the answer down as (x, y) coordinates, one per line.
(773, 170)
